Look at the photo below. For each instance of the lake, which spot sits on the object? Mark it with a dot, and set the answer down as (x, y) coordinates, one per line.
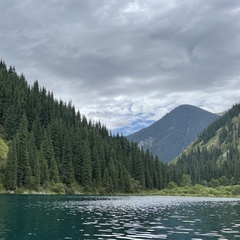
(117, 217)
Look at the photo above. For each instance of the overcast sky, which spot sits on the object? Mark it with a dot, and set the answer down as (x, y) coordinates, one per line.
(127, 62)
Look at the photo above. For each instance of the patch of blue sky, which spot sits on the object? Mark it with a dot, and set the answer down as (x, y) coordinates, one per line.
(132, 127)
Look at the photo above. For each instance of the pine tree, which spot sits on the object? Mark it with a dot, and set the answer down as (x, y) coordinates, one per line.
(96, 169)
(67, 167)
(113, 173)
(78, 154)
(24, 171)
(44, 172)
(49, 156)
(86, 166)
(37, 132)
(127, 180)
(107, 182)
(10, 180)
(34, 164)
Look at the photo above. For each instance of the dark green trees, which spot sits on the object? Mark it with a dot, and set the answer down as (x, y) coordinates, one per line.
(52, 144)
(23, 169)
(10, 180)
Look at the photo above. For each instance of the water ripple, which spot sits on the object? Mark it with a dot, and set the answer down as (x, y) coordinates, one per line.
(91, 217)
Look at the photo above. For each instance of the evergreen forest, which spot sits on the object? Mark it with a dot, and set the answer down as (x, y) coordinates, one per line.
(51, 146)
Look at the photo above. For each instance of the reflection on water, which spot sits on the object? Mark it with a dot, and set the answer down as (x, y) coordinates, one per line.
(91, 217)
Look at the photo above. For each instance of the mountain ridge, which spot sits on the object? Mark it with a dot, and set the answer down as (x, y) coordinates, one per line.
(171, 134)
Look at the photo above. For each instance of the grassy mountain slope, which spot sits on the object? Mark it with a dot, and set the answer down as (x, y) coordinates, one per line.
(169, 136)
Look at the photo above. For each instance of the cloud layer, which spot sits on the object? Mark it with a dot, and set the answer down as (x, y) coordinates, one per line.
(127, 63)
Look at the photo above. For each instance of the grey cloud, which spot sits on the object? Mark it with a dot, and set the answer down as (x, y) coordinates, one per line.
(129, 49)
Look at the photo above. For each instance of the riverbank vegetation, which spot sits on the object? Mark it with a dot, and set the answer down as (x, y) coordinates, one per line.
(201, 191)
(194, 191)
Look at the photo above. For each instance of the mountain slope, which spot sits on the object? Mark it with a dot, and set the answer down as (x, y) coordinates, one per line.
(170, 135)
(214, 158)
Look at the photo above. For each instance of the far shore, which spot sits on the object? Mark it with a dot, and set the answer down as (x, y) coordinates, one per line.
(188, 191)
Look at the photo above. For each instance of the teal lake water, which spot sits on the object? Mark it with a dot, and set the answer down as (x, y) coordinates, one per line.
(100, 217)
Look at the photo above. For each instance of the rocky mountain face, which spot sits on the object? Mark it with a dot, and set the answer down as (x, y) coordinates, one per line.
(170, 135)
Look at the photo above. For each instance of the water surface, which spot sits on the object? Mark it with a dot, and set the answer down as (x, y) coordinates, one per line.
(134, 217)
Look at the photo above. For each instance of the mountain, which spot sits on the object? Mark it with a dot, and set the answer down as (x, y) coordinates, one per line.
(170, 135)
(214, 158)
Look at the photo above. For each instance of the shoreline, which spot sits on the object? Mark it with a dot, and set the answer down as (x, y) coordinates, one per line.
(120, 194)
(187, 191)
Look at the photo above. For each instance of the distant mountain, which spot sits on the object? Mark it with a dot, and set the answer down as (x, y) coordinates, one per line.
(170, 135)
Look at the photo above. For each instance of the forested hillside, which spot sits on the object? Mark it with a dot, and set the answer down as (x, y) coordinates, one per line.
(52, 146)
(214, 158)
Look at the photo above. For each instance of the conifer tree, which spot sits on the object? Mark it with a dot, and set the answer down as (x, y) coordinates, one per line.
(49, 156)
(67, 167)
(86, 166)
(44, 172)
(37, 132)
(127, 180)
(34, 163)
(10, 180)
(24, 172)
(96, 169)
(107, 182)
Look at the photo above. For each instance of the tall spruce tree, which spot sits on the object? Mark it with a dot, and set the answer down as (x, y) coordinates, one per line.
(34, 163)
(67, 166)
(10, 179)
(23, 171)
(86, 166)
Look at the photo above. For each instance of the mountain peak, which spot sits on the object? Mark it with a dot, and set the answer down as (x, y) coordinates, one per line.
(171, 134)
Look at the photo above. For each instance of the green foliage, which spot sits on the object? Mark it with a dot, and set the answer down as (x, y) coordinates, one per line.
(23, 168)
(236, 190)
(67, 167)
(10, 177)
(57, 188)
(186, 181)
(200, 190)
(3, 150)
(3, 157)
(171, 185)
